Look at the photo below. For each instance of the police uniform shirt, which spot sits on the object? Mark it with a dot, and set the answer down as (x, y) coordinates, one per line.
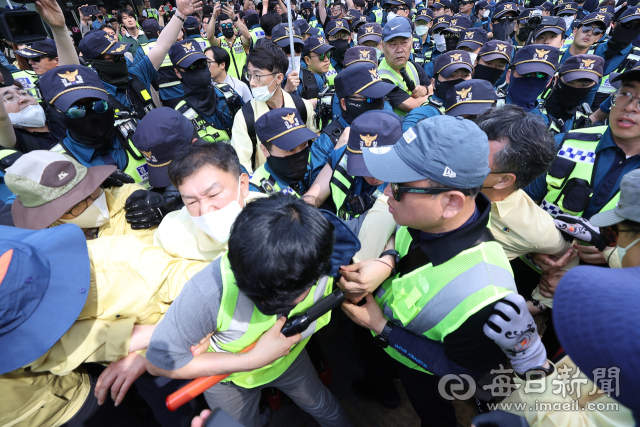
(301, 186)
(166, 93)
(419, 113)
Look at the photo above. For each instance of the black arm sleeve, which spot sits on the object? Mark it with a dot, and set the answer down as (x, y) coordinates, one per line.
(423, 76)
(397, 96)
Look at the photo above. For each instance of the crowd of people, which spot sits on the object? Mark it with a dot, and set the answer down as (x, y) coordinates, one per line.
(191, 190)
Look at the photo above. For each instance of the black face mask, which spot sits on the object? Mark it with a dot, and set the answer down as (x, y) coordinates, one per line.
(228, 32)
(490, 74)
(523, 33)
(443, 87)
(358, 107)
(199, 92)
(307, 15)
(565, 99)
(451, 43)
(115, 73)
(341, 47)
(624, 35)
(290, 169)
(503, 30)
(93, 130)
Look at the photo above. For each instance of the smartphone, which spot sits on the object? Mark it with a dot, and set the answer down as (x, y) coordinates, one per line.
(86, 10)
(166, 8)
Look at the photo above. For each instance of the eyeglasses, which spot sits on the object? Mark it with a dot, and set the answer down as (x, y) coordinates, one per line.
(506, 19)
(622, 99)
(80, 111)
(463, 3)
(83, 204)
(611, 233)
(296, 47)
(12, 98)
(40, 58)
(536, 75)
(342, 36)
(588, 28)
(633, 25)
(257, 76)
(198, 65)
(323, 56)
(395, 9)
(397, 190)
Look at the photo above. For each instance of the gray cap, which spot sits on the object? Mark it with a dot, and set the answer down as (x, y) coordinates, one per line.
(450, 150)
(628, 206)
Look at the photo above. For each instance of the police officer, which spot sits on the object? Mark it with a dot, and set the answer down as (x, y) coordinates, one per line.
(452, 33)
(395, 8)
(355, 27)
(451, 68)
(192, 31)
(564, 105)
(42, 57)
(522, 29)
(206, 105)
(585, 177)
(359, 89)
(370, 35)
(237, 47)
(285, 143)
(480, 17)
(472, 40)
(530, 74)
(396, 68)
(87, 112)
(492, 61)
(568, 11)
(315, 65)
(280, 36)
(586, 34)
(306, 10)
(442, 240)
(253, 24)
(441, 7)
(339, 36)
(503, 22)
(439, 43)
(374, 12)
(306, 30)
(470, 99)
(424, 21)
(345, 180)
(552, 34)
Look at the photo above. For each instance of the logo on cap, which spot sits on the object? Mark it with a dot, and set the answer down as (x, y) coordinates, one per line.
(374, 74)
(70, 78)
(188, 47)
(454, 21)
(468, 35)
(290, 120)
(150, 157)
(464, 95)
(541, 54)
(321, 40)
(62, 175)
(456, 57)
(600, 17)
(26, 53)
(364, 54)
(603, 9)
(448, 172)
(509, 6)
(368, 30)
(501, 48)
(587, 64)
(338, 24)
(286, 29)
(121, 48)
(368, 140)
(637, 11)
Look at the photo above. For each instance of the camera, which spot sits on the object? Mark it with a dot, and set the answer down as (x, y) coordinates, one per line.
(535, 19)
(21, 26)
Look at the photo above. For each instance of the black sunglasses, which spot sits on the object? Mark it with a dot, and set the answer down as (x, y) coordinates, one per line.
(198, 65)
(596, 30)
(296, 47)
(507, 19)
(40, 58)
(397, 190)
(632, 25)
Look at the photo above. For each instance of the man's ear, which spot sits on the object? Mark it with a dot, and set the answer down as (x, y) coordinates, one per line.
(178, 73)
(264, 150)
(343, 104)
(244, 185)
(506, 180)
(452, 204)
(508, 77)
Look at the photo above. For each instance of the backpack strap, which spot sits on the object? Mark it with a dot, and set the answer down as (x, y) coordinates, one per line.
(250, 120)
(310, 88)
(300, 106)
(333, 130)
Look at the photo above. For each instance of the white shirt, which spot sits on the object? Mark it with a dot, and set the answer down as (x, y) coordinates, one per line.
(240, 87)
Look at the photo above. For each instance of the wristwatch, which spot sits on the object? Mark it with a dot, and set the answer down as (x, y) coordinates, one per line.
(383, 339)
(396, 259)
(537, 373)
(235, 19)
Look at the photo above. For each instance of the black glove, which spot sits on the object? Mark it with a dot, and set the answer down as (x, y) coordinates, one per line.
(144, 209)
(171, 199)
(580, 228)
(117, 179)
(499, 419)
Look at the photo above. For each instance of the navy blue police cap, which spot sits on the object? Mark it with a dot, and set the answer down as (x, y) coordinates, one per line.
(582, 67)
(472, 38)
(536, 58)
(470, 97)
(451, 61)
(64, 85)
(45, 47)
(97, 43)
(360, 54)
(317, 45)
(280, 35)
(185, 52)
(336, 25)
(370, 32)
(361, 78)
(284, 128)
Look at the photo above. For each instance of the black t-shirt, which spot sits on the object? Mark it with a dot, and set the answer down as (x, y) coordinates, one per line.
(397, 96)
(28, 141)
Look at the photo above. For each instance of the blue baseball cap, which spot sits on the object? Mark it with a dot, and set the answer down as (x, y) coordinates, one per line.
(597, 17)
(609, 10)
(360, 54)
(470, 97)
(361, 78)
(496, 49)
(302, 25)
(397, 27)
(63, 86)
(191, 23)
(440, 23)
(185, 52)
(280, 35)
(370, 32)
(374, 128)
(560, 27)
(37, 49)
(441, 3)
(472, 38)
(97, 43)
(451, 61)
(548, 6)
(150, 25)
(569, 8)
(159, 135)
(505, 8)
(44, 283)
(536, 58)
(582, 67)
(284, 128)
(424, 15)
(337, 25)
(458, 23)
(631, 14)
(316, 44)
(450, 150)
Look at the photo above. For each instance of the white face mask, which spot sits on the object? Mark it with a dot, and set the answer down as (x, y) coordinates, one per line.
(94, 216)
(568, 20)
(217, 224)
(31, 117)
(473, 57)
(421, 30)
(441, 45)
(390, 16)
(262, 93)
(486, 13)
(378, 53)
(623, 251)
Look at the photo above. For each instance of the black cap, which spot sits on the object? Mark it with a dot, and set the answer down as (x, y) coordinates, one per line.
(536, 58)
(632, 74)
(451, 61)
(582, 67)
(96, 43)
(306, 5)
(37, 49)
(185, 52)
(159, 135)
(375, 128)
(360, 54)
(473, 38)
(336, 26)
(64, 85)
(496, 49)
(284, 128)
(370, 32)
(361, 78)
(470, 97)
(316, 44)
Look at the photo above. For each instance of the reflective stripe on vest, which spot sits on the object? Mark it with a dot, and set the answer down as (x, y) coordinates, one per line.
(388, 73)
(330, 75)
(205, 129)
(237, 54)
(166, 62)
(256, 34)
(435, 300)
(605, 84)
(28, 80)
(204, 43)
(340, 185)
(240, 323)
(267, 184)
(378, 13)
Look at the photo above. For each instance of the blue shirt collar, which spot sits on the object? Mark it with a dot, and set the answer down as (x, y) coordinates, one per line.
(606, 141)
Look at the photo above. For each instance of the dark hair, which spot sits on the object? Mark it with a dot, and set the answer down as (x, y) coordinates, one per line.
(122, 12)
(279, 247)
(220, 56)
(103, 26)
(359, 3)
(194, 157)
(531, 149)
(342, 6)
(632, 226)
(268, 23)
(269, 56)
(223, 17)
(252, 20)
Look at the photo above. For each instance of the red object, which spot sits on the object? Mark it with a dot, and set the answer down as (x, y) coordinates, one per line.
(273, 399)
(196, 387)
